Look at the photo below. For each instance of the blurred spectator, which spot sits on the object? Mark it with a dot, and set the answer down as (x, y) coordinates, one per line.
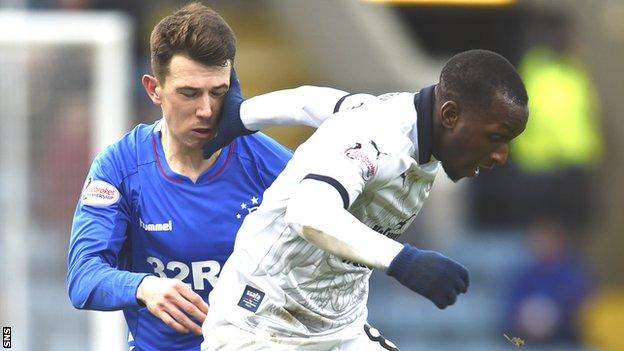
(602, 320)
(563, 131)
(561, 143)
(546, 294)
(556, 154)
(58, 131)
(65, 157)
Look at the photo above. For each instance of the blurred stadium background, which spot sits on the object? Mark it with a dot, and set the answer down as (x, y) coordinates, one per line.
(542, 237)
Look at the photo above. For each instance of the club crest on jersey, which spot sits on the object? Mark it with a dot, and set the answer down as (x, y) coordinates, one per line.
(99, 193)
(366, 156)
(248, 207)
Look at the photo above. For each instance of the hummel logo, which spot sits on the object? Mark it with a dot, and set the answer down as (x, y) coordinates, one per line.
(156, 227)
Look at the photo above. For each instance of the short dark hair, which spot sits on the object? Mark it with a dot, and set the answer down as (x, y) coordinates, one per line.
(195, 31)
(474, 77)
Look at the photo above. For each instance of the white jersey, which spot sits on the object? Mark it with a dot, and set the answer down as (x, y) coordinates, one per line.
(276, 283)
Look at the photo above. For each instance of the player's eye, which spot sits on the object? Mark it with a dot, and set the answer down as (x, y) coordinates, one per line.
(497, 138)
(189, 93)
(218, 93)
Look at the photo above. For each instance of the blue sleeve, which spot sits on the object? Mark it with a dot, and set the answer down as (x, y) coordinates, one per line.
(97, 238)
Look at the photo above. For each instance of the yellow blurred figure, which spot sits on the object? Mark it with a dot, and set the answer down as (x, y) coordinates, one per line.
(563, 126)
(602, 320)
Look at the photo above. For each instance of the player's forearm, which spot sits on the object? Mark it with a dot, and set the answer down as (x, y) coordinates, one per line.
(306, 105)
(95, 285)
(316, 213)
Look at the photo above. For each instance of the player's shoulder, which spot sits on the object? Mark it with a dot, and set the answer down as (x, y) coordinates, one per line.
(259, 146)
(389, 113)
(390, 104)
(399, 101)
(131, 149)
(353, 101)
(399, 109)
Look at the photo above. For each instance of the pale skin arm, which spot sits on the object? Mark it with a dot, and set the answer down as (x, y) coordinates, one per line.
(171, 300)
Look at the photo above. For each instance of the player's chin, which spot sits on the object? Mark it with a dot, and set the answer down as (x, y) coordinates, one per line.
(196, 143)
(456, 174)
(452, 173)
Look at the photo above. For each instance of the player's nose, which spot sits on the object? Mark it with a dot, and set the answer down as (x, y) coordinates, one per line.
(499, 156)
(204, 110)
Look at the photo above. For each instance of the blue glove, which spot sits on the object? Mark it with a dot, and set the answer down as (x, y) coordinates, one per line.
(230, 125)
(431, 274)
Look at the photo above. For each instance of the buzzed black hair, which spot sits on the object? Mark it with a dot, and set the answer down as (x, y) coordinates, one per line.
(474, 77)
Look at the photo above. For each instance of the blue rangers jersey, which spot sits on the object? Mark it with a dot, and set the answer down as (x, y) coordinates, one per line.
(137, 217)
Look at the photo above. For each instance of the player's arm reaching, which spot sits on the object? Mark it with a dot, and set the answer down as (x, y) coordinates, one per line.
(306, 105)
(316, 211)
(98, 236)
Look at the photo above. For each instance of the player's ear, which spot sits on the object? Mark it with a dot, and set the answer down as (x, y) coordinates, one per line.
(449, 114)
(150, 83)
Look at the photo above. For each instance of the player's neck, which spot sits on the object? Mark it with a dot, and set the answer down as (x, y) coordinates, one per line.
(183, 159)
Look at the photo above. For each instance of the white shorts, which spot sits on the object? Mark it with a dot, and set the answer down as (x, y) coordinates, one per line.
(228, 337)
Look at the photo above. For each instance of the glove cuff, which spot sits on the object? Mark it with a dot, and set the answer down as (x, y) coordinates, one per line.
(401, 262)
(235, 124)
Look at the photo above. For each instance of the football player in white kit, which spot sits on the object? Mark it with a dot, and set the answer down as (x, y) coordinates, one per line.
(298, 277)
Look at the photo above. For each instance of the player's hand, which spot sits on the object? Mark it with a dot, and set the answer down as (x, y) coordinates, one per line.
(431, 274)
(173, 302)
(230, 125)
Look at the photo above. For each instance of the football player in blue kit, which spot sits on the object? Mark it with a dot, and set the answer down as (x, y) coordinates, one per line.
(156, 221)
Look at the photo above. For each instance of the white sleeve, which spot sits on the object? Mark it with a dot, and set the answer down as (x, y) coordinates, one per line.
(354, 150)
(315, 212)
(306, 105)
